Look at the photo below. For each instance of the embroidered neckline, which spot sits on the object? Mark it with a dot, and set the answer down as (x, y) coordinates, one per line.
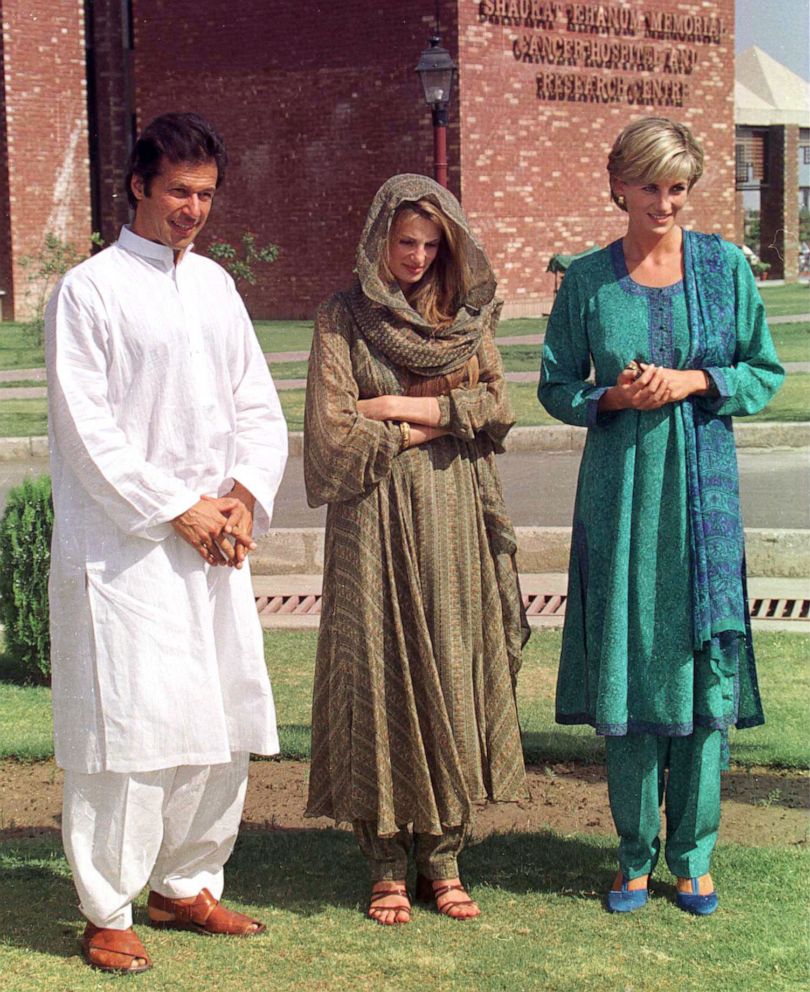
(629, 285)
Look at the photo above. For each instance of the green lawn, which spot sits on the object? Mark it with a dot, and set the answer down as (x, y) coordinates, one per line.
(521, 358)
(29, 418)
(23, 418)
(26, 418)
(520, 326)
(25, 731)
(783, 300)
(543, 927)
(792, 341)
(284, 335)
(791, 403)
(289, 370)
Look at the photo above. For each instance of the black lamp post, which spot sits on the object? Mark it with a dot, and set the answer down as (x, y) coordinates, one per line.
(436, 69)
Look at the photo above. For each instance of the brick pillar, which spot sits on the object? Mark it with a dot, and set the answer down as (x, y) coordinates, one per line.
(44, 160)
(739, 218)
(6, 282)
(780, 204)
(110, 108)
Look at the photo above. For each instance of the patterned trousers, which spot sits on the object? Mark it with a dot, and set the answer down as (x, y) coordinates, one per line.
(436, 856)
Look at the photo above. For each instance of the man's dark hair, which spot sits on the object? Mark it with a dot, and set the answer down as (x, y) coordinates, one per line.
(178, 138)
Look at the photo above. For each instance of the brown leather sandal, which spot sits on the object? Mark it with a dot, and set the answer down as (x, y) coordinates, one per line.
(114, 950)
(383, 894)
(205, 916)
(425, 892)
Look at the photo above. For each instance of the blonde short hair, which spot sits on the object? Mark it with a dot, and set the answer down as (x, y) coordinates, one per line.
(652, 149)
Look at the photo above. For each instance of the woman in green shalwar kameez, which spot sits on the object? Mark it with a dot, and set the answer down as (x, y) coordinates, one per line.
(413, 717)
(657, 653)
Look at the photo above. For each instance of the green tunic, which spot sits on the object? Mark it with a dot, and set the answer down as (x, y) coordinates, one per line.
(628, 662)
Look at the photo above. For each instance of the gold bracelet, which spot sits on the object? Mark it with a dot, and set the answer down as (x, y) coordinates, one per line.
(405, 435)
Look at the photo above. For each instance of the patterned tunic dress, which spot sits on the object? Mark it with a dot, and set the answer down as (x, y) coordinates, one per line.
(414, 717)
(630, 662)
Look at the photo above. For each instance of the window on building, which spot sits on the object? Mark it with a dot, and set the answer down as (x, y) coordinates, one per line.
(751, 158)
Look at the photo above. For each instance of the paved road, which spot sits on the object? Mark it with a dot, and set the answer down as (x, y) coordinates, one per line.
(540, 488)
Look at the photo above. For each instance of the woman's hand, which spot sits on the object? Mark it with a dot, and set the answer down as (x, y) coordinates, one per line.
(653, 388)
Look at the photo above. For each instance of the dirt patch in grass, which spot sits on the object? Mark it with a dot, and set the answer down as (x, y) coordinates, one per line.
(761, 806)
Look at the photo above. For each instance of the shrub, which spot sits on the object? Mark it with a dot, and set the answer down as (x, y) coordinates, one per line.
(25, 556)
(241, 262)
(43, 271)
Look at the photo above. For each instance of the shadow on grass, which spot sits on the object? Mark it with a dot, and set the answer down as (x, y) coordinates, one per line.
(305, 872)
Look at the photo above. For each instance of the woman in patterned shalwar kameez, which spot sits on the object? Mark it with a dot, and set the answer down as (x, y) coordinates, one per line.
(414, 718)
(657, 652)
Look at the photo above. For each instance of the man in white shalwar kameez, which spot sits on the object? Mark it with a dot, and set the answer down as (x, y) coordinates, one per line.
(167, 448)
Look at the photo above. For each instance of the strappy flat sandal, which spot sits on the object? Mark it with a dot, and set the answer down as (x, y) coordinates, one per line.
(425, 892)
(114, 950)
(384, 894)
(205, 915)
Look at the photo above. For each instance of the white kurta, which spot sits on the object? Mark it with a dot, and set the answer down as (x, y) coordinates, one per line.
(158, 392)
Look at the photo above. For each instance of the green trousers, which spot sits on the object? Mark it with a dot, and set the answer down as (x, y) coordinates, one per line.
(643, 771)
(436, 855)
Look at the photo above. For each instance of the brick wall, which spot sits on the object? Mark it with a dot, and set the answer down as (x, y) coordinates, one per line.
(316, 110)
(44, 170)
(533, 169)
(319, 108)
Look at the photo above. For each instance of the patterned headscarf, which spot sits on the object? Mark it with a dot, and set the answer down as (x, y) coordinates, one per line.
(384, 315)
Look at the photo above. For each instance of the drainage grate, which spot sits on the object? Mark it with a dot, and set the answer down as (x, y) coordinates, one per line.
(544, 605)
(308, 605)
(536, 605)
(770, 608)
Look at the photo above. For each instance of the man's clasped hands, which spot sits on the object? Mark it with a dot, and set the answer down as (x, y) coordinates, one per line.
(220, 528)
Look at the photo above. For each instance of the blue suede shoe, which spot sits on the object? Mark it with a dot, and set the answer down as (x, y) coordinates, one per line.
(694, 902)
(625, 900)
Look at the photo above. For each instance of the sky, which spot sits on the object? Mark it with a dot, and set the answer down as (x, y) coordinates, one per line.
(779, 27)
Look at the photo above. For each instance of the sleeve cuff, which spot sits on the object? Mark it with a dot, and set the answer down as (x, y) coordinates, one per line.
(444, 411)
(593, 417)
(713, 401)
(252, 481)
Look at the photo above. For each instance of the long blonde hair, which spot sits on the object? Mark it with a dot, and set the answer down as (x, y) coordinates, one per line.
(443, 288)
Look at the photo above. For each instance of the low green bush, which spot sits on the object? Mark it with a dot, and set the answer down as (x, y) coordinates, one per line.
(25, 555)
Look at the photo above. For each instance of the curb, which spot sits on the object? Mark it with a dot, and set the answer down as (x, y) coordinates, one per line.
(553, 437)
(562, 437)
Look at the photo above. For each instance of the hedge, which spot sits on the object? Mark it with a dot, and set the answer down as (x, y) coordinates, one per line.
(25, 558)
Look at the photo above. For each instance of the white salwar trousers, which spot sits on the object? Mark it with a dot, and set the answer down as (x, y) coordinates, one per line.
(172, 829)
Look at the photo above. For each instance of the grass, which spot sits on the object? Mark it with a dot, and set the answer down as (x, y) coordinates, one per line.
(792, 341)
(28, 418)
(783, 300)
(284, 335)
(521, 358)
(20, 383)
(23, 418)
(520, 326)
(791, 403)
(289, 370)
(25, 732)
(543, 926)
